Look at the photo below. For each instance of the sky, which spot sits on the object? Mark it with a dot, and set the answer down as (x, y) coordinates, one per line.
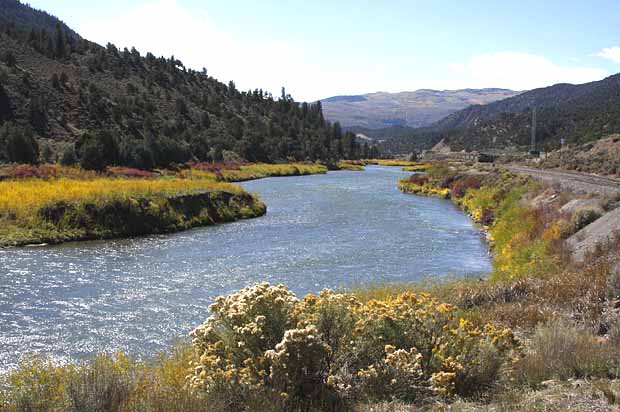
(321, 48)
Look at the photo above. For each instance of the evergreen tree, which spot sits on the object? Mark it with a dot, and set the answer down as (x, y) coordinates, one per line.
(6, 111)
(91, 157)
(60, 50)
(19, 144)
(68, 157)
(98, 151)
(337, 131)
(38, 115)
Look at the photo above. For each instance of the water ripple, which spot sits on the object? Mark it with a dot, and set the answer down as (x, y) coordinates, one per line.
(139, 295)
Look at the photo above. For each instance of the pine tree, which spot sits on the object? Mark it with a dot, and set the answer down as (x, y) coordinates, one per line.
(19, 144)
(337, 131)
(60, 41)
(5, 104)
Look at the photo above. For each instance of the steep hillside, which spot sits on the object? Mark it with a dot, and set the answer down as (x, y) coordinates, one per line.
(62, 96)
(578, 113)
(13, 13)
(413, 109)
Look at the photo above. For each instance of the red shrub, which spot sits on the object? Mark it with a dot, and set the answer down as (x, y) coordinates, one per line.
(487, 216)
(460, 187)
(119, 171)
(419, 180)
(22, 171)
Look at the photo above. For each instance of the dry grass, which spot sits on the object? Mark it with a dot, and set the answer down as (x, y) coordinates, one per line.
(560, 350)
(262, 170)
(22, 199)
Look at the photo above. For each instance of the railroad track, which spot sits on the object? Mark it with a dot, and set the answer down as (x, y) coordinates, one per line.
(575, 181)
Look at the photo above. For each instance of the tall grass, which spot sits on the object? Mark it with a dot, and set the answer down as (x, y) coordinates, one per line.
(262, 170)
(30, 190)
(21, 199)
(559, 350)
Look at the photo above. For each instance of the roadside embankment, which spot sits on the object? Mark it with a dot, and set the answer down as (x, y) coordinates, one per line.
(528, 222)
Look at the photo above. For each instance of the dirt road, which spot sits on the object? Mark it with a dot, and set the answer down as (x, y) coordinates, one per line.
(573, 181)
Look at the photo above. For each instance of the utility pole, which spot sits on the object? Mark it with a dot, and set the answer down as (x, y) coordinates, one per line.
(533, 148)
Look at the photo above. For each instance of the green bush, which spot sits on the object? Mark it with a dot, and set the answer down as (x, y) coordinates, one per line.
(582, 218)
(18, 145)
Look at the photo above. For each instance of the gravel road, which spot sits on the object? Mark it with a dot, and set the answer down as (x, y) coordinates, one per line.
(573, 181)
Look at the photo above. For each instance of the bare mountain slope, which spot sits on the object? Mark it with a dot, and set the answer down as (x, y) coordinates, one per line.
(414, 109)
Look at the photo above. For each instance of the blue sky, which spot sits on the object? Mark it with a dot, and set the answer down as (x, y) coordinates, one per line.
(322, 48)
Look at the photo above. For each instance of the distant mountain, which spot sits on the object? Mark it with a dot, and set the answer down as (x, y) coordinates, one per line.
(386, 133)
(577, 113)
(408, 109)
(64, 97)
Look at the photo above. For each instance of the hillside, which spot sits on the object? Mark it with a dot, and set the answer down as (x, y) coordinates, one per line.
(578, 113)
(413, 109)
(64, 97)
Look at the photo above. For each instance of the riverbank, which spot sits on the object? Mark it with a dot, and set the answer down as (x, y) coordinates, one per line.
(563, 309)
(358, 165)
(54, 204)
(532, 337)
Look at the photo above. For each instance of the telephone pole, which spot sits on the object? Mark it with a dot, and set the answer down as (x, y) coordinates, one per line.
(533, 148)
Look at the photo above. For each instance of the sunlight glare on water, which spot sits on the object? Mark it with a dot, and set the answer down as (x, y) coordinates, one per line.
(139, 295)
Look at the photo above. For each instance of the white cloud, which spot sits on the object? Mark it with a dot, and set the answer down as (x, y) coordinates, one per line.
(166, 27)
(517, 71)
(610, 53)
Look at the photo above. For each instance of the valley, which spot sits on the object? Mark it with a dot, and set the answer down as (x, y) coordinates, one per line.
(179, 233)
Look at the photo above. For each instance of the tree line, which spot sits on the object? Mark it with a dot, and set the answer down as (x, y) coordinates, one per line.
(102, 106)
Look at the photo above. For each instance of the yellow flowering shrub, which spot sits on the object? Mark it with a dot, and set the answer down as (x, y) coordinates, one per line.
(299, 364)
(423, 189)
(447, 346)
(333, 346)
(399, 375)
(232, 343)
(39, 385)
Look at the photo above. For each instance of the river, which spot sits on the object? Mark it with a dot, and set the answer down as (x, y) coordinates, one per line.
(138, 295)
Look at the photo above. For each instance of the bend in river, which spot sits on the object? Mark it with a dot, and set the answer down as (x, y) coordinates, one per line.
(138, 295)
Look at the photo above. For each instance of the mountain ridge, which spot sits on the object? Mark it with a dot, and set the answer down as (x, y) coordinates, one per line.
(416, 108)
(578, 113)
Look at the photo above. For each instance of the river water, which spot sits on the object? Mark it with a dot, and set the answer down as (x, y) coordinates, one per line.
(139, 295)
